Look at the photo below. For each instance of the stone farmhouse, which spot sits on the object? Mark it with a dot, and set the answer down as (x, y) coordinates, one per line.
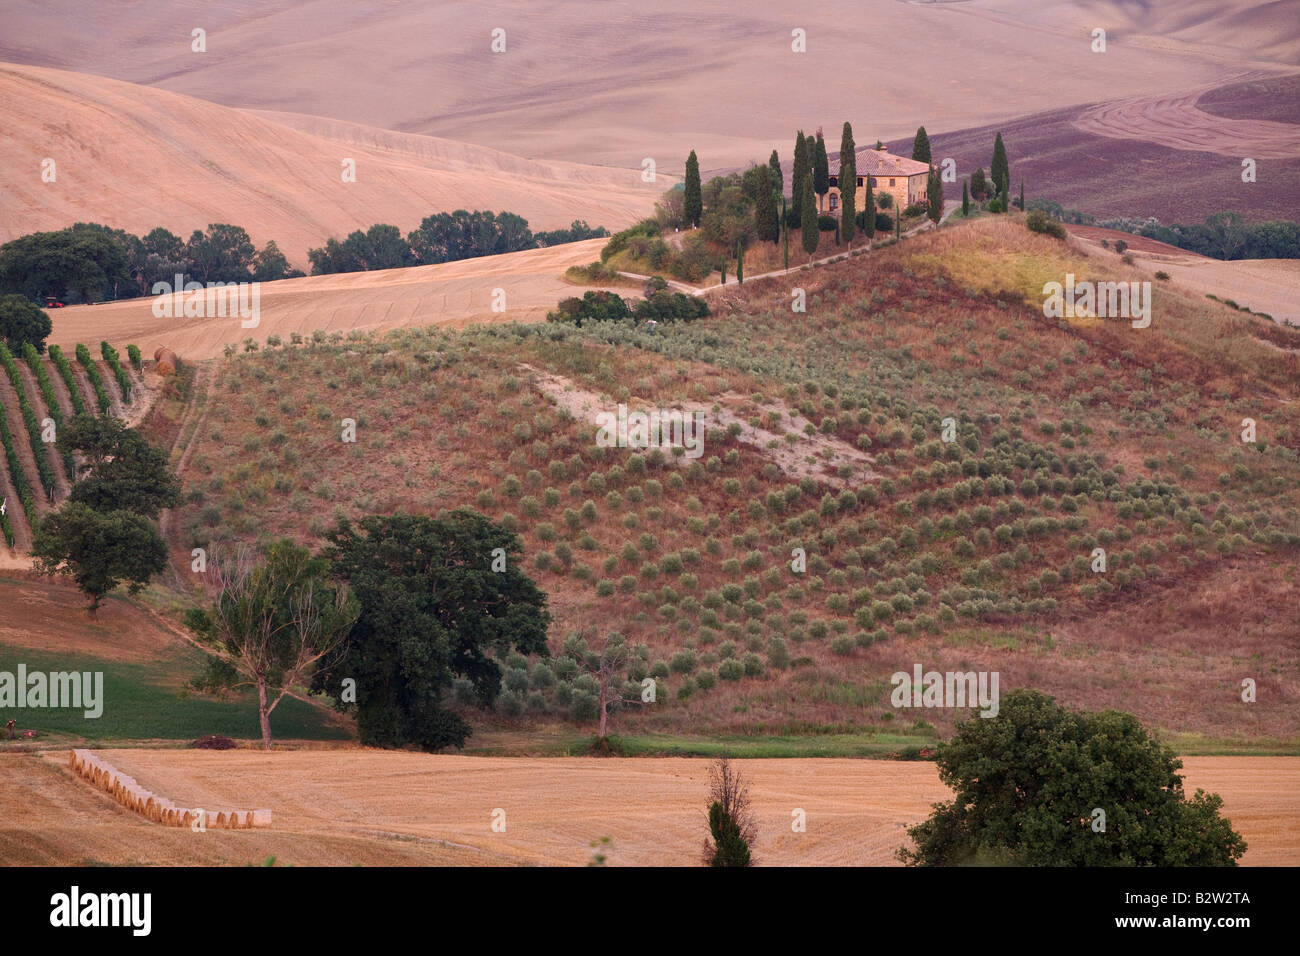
(904, 179)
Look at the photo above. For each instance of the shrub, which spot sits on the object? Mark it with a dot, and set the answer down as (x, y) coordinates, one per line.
(1039, 221)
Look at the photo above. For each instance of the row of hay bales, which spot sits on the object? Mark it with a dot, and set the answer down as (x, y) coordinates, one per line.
(158, 809)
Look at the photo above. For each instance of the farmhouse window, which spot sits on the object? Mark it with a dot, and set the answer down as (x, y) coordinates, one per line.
(835, 201)
(891, 182)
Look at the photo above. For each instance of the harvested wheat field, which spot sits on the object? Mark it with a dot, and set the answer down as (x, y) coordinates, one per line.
(133, 157)
(452, 294)
(377, 807)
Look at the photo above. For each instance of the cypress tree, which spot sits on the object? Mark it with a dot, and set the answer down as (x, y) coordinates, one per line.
(740, 262)
(1022, 195)
(693, 207)
(934, 195)
(977, 185)
(898, 224)
(778, 178)
(965, 200)
(868, 208)
(921, 146)
(722, 269)
(799, 171)
(848, 184)
(999, 170)
(808, 217)
(821, 170)
(765, 206)
(1004, 191)
(785, 227)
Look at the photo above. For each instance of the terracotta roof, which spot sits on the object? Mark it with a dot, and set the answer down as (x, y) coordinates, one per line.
(872, 162)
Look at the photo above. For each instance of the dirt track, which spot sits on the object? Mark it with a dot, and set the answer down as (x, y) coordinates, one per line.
(382, 807)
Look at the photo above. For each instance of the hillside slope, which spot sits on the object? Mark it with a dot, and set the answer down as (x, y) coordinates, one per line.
(658, 81)
(824, 433)
(135, 157)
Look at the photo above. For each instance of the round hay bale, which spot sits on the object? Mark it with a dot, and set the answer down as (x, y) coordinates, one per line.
(166, 361)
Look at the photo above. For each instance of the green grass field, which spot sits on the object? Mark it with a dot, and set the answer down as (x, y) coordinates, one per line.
(148, 702)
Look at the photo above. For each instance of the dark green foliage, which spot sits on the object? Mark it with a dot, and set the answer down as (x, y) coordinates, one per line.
(65, 372)
(921, 146)
(934, 196)
(1021, 202)
(965, 199)
(785, 232)
(22, 322)
(594, 306)
(120, 470)
(619, 241)
(740, 262)
(802, 164)
(16, 473)
(114, 362)
(1039, 221)
(821, 170)
(447, 237)
(978, 186)
(578, 231)
(765, 221)
(694, 203)
(1027, 782)
(808, 213)
(30, 421)
(731, 821)
(999, 171)
(96, 380)
(432, 610)
(848, 184)
(99, 550)
(778, 178)
(133, 354)
(668, 306)
(87, 262)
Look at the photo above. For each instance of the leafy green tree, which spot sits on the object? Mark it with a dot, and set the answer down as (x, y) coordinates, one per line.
(88, 263)
(21, 322)
(934, 196)
(821, 170)
(808, 217)
(271, 264)
(222, 254)
(848, 184)
(921, 146)
(99, 550)
(978, 185)
(732, 824)
(694, 206)
(802, 163)
(1029, 780)
(440, 598)
(1227, 234)
(273, 622)
(120, 470)
(594, 306)
(999, 170)
(778, 177)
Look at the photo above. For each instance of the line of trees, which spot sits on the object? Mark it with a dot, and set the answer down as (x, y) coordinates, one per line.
(89, 262)
(442, 237)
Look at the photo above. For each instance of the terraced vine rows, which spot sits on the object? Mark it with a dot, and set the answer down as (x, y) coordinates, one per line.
(37, 389)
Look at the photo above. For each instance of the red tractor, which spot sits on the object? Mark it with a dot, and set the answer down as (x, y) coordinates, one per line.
(52, 303)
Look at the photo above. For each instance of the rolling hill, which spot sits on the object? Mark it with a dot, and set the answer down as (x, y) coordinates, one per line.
(135, 157)
(657, 81)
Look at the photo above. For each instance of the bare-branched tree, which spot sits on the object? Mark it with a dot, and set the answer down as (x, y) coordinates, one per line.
(272, 621)
(732, 823)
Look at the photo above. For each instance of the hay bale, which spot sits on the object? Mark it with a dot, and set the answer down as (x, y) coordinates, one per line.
(166, 362)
